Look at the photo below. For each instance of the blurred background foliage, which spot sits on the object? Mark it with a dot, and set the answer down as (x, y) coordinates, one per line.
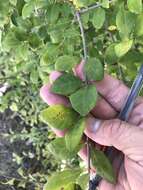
(33, 35)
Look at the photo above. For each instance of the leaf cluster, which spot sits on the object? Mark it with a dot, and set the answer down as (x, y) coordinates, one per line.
(37, 37)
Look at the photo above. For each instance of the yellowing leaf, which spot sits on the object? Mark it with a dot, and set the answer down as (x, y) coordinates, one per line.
(123, 47)
(84, 100)
(112, 28)
(62, 179)
(135, 6)
(59, 116)
(105, 3)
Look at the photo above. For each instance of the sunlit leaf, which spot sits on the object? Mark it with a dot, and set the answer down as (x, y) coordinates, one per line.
(59, 116)
(135, 6)
(123, 47)
(27, 10)
(125, 22)
(62, 179)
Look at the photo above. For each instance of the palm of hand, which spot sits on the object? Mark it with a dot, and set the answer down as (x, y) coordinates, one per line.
(130, 173)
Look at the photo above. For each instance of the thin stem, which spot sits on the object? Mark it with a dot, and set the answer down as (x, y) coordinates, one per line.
(6, 78)
(88, 153)
(83, 41)
(82, 35)
(91, 7)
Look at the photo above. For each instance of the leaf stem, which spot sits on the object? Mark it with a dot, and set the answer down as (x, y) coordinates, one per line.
(91, 7)
(82, 35)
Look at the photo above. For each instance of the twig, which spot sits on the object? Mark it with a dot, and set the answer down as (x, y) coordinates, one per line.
(6, 78)
(91, 7)
(82, 35)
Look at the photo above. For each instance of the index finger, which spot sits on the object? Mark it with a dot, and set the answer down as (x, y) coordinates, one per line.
(113, 90)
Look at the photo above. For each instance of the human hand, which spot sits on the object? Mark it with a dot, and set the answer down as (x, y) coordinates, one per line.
(109, 131)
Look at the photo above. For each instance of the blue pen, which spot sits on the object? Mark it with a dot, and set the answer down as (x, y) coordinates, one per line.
(124, 115)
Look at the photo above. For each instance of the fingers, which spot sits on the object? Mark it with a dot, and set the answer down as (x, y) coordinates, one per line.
(134, 174)
(121, 135)
(106, 185)
(103, 110)
(113, 90)
(50, 98)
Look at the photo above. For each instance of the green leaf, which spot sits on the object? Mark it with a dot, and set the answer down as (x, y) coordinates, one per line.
(85, 19)
(74, 135)
(22, 51)
(98, 18)
(82, 180)
(66, 63)
(84, 100)
(28, 9)
(58, 148)
(54, 13)
(110, 54)
(71, 186)
(34, 76)
(123, 47)
(55, 36)
(59, 116)
(94, 69)
(34, 40)
(13, 2)
(82, 3)
(132, 57)
(105, 3)
(139, 25)
(135, 6)
(125, 22)
(66, 84)
(102, 165)
(61, 180)
(10, 42)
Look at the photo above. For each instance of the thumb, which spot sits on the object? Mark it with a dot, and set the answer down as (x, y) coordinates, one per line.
(123, 136)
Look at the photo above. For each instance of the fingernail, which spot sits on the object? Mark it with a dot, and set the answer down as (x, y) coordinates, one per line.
(93, 125)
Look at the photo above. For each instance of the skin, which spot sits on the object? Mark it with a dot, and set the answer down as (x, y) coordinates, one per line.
(104, 128)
